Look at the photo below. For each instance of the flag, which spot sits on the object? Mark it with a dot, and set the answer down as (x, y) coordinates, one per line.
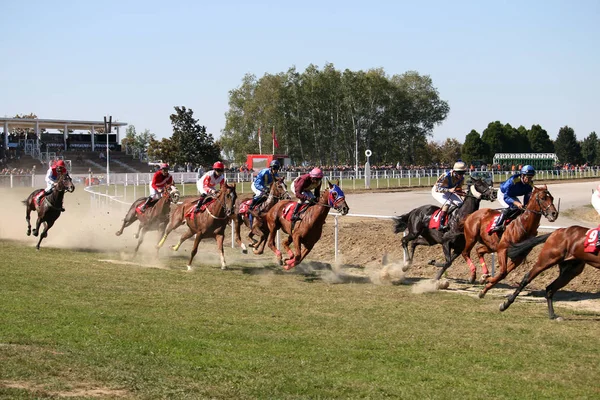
(275, 142)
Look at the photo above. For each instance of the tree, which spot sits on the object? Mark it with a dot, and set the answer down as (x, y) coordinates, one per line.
(589, 148)
(193, 143)
(539, 140)
(518, 141)
(567, 147)
(496, 139)
(474, 148)
(165, 150)
(450, 151)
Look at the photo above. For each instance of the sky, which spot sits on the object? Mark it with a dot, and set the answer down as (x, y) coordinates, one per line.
(519, 62)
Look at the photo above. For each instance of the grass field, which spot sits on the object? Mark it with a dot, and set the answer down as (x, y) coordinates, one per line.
(74, 325)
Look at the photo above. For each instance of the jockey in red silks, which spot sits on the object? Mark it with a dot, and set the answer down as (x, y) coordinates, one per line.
(303, 187)
(56, 169)
(208, 183)
(160, 181)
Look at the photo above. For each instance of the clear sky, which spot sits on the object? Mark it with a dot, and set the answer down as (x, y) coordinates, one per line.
(521, 62)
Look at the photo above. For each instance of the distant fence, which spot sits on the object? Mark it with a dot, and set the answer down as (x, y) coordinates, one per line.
(379, 178)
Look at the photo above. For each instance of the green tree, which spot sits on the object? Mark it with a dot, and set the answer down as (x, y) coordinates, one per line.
(193, 143)
(539, 140)
(450, 151)
(130, 135)
(518, 139)
(567, 147)
(166, 150)
(589, 148)
(474, 148)
(496, 139)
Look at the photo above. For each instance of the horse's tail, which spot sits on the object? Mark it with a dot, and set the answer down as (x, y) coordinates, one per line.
(520, 249)
(401, 222)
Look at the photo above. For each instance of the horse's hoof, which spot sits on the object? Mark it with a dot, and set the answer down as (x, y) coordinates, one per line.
(189, 267)
(35, 233)
(405, 267)
(28, 233)
(223, 267)
(118, 233)
(503, 307)
(280, 261)
(484, 278)
(558, 319)
(244, 251)
(135, 236)
(432, 262)
(441, 285)
(481, 294)
(472, 279)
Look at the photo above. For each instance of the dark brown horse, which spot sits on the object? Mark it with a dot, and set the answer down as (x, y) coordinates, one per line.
(259, 227)
(523, 227)
(564, 247)
(210, 223)
(155, 217)
(50, 208)
(308, 229)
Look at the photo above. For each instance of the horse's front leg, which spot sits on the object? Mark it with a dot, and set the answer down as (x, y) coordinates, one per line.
(175, 221)
(140, 240)
(184, 237)
(297, 254)
(47, 226)
(504, 266)
(28, 219)
(237, 222)
(36, 230)
(219, 239)
(194, 250)
(129, 219)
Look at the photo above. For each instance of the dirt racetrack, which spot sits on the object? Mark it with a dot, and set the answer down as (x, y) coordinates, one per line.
(364, 242)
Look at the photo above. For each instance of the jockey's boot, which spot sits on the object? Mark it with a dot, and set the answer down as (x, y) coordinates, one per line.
(295, 216)
(148, 200)
(443, 222)
(598, 239)
(199, 204)
(256, 200)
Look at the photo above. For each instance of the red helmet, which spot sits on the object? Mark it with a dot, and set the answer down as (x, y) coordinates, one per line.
(316, 173)
(61, 164)
(218, 165)
(164, 166)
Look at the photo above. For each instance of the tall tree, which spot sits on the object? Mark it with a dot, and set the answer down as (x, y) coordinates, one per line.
(191, 140)
(495, 138)
(539, 140)
(450, 151)
(589, 148)
(165, 150)
(474, 148)
(567, 147)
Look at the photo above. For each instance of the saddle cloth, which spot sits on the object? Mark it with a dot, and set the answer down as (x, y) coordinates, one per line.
(589, 244)
(434, 221)
(288, 211)
(245, 206)
(493, 223)
(192, 210)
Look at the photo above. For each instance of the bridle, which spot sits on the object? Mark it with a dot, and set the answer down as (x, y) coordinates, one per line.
(223, 206)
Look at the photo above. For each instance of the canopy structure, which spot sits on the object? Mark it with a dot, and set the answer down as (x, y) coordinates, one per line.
(37, 125)
(540, 161)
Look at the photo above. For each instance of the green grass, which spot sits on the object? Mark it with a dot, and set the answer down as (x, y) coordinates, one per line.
(68, 320)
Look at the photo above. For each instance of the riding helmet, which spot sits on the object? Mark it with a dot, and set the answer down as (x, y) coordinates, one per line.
(275, 164)
(316, 173)
(219, 165)
(460, 166)
(164, 166)
(528, 170)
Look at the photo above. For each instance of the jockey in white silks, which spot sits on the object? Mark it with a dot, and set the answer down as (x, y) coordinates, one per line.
(447, 190)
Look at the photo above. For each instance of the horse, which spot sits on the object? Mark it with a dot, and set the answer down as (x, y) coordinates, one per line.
(205, 224)
(308, 229)
(277, 192)
(565, 247)
(154, 218)
(417, 223)
(50, 209)
(523, 227)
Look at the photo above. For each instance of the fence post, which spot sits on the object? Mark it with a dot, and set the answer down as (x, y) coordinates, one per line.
(11, 180)
(335, 235)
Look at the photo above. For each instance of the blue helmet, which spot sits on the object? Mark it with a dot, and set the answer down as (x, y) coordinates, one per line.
(528, 170)
(275, 164)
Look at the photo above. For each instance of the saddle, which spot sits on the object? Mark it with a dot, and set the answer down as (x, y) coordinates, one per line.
(288, 211)
(151, 204)
(192, 210)
(510, 218)
(435, 220)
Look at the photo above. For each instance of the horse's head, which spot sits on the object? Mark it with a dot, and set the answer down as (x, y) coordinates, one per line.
(65, 183)
(336, 198)
(279, 190)
(173, 194)
(482, 190)
(228, 196)
(542, 199)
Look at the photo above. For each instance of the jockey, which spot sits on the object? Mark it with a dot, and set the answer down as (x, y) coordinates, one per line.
(262, 183)
(56, 169)
(447, 190)
(520, 184)
(303, 187)
(207, 184)
(160, 181)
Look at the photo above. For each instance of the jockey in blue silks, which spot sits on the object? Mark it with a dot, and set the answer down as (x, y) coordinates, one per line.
(520, 184)
(262, 183)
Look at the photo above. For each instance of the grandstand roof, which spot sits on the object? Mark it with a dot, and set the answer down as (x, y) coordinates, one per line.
(55, 123)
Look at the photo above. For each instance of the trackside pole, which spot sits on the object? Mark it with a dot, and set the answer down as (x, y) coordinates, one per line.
(403, 251)
(232, 236)
(335, 236)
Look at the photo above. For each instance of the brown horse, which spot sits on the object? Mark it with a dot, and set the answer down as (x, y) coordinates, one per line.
(210, 223)
(524, 226)
(564, 247)
(50, 209)
(155, 217)
(259, 227)
(308, 229)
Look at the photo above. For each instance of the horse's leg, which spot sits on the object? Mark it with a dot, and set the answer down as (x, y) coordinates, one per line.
(568, 270)
(470, 241)
(237, 225)
(129, 219)
(219, 239)
(273, 226)
(175, 221)
(36, 230)
(28, 219)
(449, 259)
(286, 246)
(481, 251)
(194, 250)
(505, 265)
(183, 238)
(47, 226)
(141, 239)
(297, 254)
(137, 234)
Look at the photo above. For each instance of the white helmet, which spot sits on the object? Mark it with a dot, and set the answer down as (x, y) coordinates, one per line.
(460, 166)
